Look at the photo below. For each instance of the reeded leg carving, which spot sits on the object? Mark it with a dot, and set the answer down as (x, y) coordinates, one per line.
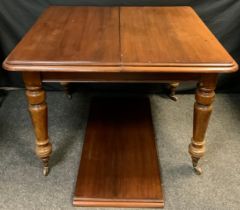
(38, 110)
(202, 111)
(67, 89)
(172, 90)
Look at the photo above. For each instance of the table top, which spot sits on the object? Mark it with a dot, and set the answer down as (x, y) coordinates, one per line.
(116, 39)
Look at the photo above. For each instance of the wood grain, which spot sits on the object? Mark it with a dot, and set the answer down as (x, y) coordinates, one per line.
(168, 36)
(119, 164)
(71, 36)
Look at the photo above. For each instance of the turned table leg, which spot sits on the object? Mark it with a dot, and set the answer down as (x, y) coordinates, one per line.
(202, 111)
(38, 110)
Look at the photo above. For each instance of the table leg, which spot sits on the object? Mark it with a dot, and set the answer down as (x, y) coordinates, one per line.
(38, 110)
(202, 111)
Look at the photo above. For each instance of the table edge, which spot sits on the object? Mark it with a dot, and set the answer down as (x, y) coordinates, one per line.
(167, 68)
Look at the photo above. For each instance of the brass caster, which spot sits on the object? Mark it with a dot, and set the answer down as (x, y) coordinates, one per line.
(173, 97)
(172, 90)
(197, 170)
(69, 96)
(67, 90)
(45, 170)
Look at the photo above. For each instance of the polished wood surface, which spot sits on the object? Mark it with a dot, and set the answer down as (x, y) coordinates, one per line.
(168, 36)
(119, 164)
(71, 36)
(120, 39)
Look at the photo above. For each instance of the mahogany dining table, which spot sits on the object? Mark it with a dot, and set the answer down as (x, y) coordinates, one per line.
(120, 45)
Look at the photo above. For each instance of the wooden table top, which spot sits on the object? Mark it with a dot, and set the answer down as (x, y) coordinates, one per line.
(117, 39)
